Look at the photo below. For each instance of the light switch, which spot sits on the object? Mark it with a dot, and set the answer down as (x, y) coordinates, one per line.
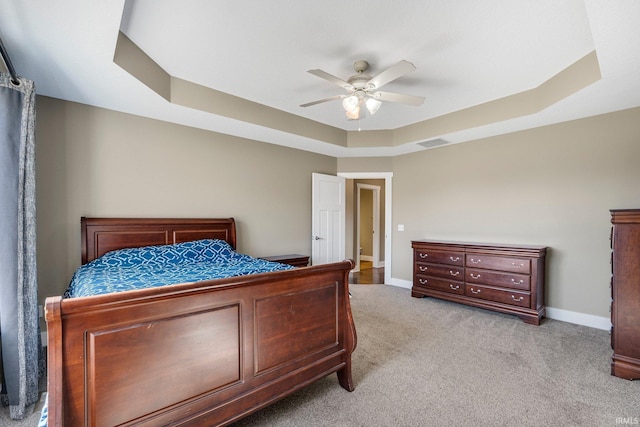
(400, 227)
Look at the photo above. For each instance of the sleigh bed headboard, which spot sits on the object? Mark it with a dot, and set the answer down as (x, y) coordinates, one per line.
(101, 235)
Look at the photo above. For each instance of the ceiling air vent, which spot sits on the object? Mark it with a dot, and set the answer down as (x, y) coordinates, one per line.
(433, 143)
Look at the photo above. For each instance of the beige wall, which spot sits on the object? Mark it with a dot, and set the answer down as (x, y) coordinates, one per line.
(549, 186)
(365, 164)
(96, 162)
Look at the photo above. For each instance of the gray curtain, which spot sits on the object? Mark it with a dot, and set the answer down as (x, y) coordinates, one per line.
(19, 325)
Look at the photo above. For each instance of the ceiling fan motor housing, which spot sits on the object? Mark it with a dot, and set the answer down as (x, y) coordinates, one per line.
(361, 66)
(360, 80)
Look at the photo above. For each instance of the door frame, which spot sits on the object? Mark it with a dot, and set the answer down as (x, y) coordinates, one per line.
(387, 176)
(375, 239)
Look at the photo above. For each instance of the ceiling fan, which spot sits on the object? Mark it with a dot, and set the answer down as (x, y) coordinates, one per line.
(363, 90)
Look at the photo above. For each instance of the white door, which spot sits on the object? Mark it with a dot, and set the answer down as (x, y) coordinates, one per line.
(327, 219)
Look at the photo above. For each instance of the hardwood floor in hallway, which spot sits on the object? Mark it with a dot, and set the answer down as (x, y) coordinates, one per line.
(368, 275)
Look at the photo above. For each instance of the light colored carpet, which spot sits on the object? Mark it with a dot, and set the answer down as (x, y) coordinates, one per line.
(29, 421)
(424, 362)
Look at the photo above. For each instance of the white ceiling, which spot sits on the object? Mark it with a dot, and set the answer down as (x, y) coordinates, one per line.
(467, 52)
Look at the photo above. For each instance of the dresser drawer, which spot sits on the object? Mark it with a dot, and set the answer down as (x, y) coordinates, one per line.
(448, 272)
(494, 278)
(452, 286)
(521, 299)
(516, 265)
(437, 257)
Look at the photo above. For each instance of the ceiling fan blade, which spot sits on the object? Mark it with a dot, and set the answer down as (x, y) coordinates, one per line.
(400, 98)
(401, 68)
(320, 101)
(331, 78)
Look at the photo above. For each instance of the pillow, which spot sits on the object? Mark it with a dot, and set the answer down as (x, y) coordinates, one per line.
(187, 252)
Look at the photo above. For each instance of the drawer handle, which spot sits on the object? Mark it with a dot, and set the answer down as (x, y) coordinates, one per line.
(519, 282)
(423, 255)
(454, 273)
(423, 281)
(517, 265)
(473, 276)
(473, 291)
(454, 259)
(422, 268)
(517, 300)
(455, 288)
(476, 261)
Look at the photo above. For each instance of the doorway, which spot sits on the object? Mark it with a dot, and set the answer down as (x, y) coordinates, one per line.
(370, 181)
(369, 270)
(367, 224)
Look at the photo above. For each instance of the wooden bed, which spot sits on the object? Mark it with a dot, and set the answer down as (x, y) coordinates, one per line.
(199, 354)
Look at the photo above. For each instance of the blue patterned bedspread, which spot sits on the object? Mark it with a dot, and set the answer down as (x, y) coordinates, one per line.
(152, 266)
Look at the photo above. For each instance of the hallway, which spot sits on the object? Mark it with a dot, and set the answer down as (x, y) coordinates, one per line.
(368, 275)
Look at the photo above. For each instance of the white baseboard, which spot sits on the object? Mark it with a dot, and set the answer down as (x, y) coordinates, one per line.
(574, 317)
(583, 319)
(380, 264)
(377, 264)
(407, 284)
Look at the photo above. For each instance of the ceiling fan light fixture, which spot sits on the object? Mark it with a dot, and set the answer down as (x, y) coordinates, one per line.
(372, 105)
(355, 114)
(350, 103)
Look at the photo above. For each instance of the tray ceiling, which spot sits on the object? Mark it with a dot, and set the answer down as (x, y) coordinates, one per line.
(240, 67)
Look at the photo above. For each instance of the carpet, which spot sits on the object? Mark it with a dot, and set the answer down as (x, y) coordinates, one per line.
(426, 362)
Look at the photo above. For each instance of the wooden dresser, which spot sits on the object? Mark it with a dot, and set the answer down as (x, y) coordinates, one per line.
(625, 293)
(505, 278)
